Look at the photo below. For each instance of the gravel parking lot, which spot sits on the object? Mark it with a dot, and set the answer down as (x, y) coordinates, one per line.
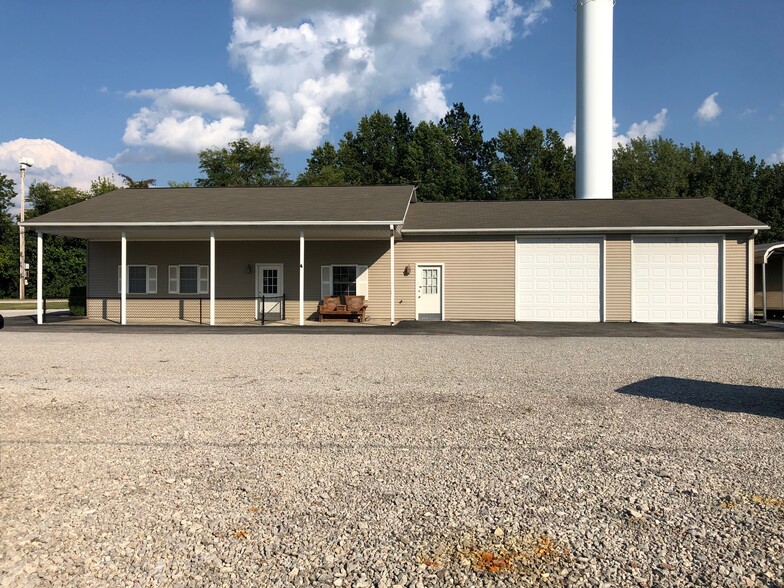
(382, 460)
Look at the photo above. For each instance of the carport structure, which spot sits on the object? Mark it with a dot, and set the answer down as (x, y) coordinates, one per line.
(769, 265)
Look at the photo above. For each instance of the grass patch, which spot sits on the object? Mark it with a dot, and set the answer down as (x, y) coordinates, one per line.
(32, 305)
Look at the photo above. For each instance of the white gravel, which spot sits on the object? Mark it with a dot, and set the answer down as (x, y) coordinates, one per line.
(381, 460)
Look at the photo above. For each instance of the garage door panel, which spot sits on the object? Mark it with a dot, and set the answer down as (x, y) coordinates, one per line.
(676, 279)
(567, 280)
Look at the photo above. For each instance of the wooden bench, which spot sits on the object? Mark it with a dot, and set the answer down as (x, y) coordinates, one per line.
(352, 308)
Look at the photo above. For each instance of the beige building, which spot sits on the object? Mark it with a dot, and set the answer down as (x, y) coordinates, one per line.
(233, 255)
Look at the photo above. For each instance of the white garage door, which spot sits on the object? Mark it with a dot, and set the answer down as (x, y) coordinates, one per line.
(559, 279)
(676, 279)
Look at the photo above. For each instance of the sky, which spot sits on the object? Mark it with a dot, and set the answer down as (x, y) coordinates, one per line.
(95, 88)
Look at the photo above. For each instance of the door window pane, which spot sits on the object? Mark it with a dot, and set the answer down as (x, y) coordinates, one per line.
(430, 281)
(269, 281)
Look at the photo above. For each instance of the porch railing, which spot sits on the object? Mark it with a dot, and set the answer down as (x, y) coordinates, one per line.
(189, 309)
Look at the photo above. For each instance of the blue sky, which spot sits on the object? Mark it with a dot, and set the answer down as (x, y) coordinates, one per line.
(138, 87)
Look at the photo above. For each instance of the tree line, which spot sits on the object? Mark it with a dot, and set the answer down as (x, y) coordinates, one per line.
(448, 160)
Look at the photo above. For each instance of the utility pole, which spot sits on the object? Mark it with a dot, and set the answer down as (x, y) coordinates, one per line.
(24, 163)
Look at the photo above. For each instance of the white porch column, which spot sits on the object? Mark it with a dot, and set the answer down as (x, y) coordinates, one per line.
(750, 262)
(212, 278)
(392, 274)
(39, 279)
(301, 278)
(123, 277)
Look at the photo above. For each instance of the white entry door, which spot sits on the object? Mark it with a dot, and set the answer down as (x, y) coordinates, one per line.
(430, 293)
(559, 279)
(676, 279)
(269, 286)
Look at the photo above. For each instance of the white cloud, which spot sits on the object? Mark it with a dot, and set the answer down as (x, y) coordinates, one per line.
(182, 121)
(535, 15)
(570, 138)
(309, 60)
(53, 163)
(778, 156)
(647, 128)
(709, 110)
(496, 94)
(429, 101)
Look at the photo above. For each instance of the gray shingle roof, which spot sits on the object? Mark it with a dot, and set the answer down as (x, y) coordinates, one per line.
(614, 215)
(372, 204)
(388, 205)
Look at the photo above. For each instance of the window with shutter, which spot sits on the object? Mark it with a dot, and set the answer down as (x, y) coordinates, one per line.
(141, 279)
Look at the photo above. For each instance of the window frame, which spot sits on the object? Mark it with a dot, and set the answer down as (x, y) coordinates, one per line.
(361, 280)
(202, 279)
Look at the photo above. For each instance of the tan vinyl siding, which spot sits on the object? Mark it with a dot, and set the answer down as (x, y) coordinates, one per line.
(479, 276)
(618, 278)
(736, 278)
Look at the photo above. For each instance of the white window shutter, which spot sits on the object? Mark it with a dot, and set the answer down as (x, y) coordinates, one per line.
(204, 279)
(362, 280)
(152, 279)
(174, 279)
(119, 279)
(326, 281)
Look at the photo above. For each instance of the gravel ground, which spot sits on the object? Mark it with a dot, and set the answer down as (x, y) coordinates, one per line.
(381, 460)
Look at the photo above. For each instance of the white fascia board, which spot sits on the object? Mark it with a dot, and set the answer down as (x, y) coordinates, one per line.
(385, 223)
(575, 230)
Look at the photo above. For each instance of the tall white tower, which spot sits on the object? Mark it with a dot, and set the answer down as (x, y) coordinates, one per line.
(594, 98)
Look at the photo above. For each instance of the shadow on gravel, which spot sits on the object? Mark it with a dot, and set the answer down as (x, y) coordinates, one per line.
(757, 400)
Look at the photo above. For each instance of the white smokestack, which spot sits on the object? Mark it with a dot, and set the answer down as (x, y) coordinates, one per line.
(594, 98)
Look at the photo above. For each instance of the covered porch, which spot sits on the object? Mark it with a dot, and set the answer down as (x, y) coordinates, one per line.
(230, 275)
(232, 255)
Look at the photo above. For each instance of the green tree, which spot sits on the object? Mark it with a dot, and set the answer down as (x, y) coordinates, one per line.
(65, 258)
(243, 164)
(770, 201)
(9, 241)
(137, 184)
(431, 164)
(367, 157)
(532, 164)
(323, 168)
(102, 185)
(651, 168)
(474, 155)
(175, 184)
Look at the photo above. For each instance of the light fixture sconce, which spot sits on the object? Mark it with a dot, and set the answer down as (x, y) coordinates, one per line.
(249, 269)
(407, 270)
